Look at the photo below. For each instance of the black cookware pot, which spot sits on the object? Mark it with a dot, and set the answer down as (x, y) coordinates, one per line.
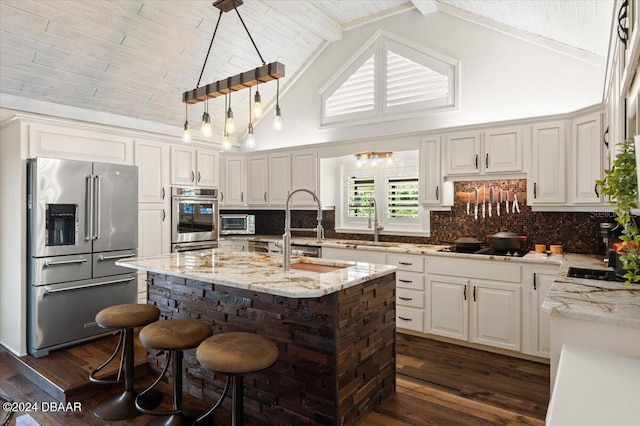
(506, 241)
(466, 244)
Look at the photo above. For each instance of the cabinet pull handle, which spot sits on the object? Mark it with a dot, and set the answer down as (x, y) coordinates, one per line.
(163, 192)
(405, 319)
(535, 190)
(198, 177)
(164, 214)
(595, 189)
(193, 176)
(221, 196)
(476, 161)
(404, 298)
(437, 192)
(242, 197)
(464, 293)
(535, 286)
(405, 263)
(474, 293)
(605, 140)
(405, 281)
(265, 196)
(486, 161)
(623, 33)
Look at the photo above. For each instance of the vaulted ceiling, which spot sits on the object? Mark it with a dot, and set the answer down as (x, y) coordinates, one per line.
(135, 58)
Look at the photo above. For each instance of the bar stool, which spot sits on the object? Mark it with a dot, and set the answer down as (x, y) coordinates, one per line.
(235, 355)
(172, 336)
(125, 318)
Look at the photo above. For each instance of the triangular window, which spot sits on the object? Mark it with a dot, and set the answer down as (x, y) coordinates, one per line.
(387, 79)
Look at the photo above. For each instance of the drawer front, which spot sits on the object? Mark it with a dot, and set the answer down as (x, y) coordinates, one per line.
(413, 298)
(104, 264)
(410, 318)
(492, 270)
(51, 270)
(410, 280)
(406, 262)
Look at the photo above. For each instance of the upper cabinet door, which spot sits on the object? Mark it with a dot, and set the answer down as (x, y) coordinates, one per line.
(257, 180)
(279, 178)
(503, 150)
(183, 166)
(208, 169)
(463, 153)
(304, 174)
(547, 164)
(152, 161)
(431, 180)
(233, 190)
(587, 158)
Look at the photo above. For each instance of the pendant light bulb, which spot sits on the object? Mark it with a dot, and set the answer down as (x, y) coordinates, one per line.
(250, 141)
(257, 105)
(389, 160)
(230, 125)
(358, 161)
(186, 134)
(205, 128)
(226, 143)
(277, 122)
(374, 160)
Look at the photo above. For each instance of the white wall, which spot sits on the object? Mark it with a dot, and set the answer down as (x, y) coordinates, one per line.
(501, 78)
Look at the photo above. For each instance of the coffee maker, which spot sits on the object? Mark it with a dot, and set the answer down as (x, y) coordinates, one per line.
(610, 233)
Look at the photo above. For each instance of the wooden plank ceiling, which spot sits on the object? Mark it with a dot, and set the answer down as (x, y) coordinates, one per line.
(136, 57)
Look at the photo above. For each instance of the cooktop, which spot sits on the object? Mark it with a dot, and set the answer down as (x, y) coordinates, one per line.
(487, 251)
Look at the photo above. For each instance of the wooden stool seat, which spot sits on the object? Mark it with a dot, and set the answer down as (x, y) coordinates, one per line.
(125, 318)
(128, 315)
(176, 334)
(237, 353)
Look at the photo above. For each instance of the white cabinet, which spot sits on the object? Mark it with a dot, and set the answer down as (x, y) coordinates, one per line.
(152, 159)
(492, 151)
(447, 307)
(154, 232)
(268, 179)
(548, 180)
(304, 174)
(495, 314)
(194, 167)
(587, 152)
(410, 298)
(234, 184)
(537, 323)
(431, 175)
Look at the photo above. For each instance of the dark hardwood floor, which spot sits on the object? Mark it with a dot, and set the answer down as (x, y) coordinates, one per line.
(437, 384)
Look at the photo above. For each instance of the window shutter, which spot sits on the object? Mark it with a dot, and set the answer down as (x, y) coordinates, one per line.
(359, 191)
(409, 82)
(356, 94)
(402, 197)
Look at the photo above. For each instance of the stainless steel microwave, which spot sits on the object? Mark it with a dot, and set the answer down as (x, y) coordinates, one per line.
(237, 224)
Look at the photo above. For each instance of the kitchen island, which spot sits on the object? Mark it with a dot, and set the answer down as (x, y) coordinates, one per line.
(333, 323)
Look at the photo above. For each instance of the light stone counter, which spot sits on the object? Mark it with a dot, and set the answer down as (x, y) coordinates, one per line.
(261, 272)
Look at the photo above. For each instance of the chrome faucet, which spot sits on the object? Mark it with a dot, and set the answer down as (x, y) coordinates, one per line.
(376, 226)
(286, 237)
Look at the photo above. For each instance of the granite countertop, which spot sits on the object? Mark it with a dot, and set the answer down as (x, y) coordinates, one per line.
(261, 272)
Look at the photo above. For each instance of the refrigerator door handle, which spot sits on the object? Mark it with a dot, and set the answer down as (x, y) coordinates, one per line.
(63, 262)
(120, 256)
(88, 285)
(88, 209)
(96, 199)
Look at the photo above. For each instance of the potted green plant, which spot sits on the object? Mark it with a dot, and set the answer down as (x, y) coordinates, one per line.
(621, 185)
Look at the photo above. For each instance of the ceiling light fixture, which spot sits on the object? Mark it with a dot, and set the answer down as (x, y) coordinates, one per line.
(250, 141)
(186, 134)
(226, 143)
(262, 74)
(257, 104)
(205, 127)
(277, 122)
(374, 158)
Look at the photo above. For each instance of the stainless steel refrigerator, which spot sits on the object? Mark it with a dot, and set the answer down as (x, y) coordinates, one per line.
(82, 218)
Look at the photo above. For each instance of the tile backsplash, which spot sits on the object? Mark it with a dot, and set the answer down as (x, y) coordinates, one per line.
(577, 232)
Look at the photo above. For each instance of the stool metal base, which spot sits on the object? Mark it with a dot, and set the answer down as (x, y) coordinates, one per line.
(185, 418)
(123, 406)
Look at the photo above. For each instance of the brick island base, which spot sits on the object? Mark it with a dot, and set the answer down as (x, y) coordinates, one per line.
(336, 352)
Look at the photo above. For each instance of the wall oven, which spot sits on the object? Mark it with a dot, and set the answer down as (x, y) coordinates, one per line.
(194, 216)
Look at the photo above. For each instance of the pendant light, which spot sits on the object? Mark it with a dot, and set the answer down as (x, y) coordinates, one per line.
(186, 134)
(277, 122)
(257, 105)
(205, 127)
(230, 125)
(250, 141)
(226, 143)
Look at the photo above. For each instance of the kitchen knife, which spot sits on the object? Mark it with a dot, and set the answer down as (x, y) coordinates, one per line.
(468, 201)
(475, 209)
(490, 199)
(506, 203)
(499, 202)
(515, 207)
(483, 200)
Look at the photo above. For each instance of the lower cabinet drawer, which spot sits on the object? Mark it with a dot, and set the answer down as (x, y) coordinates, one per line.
(412, 298)
(410, 280)
(410, 318)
